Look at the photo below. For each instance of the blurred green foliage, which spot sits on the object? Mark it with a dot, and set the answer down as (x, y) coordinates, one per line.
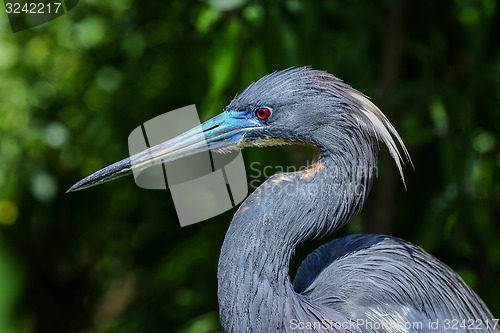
(113, 258)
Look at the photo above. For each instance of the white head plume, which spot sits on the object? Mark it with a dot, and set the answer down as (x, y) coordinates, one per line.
(373, 120)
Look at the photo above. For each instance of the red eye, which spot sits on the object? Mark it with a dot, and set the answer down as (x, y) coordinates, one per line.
(262, 113)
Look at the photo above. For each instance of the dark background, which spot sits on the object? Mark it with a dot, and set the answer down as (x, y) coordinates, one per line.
(114, 259)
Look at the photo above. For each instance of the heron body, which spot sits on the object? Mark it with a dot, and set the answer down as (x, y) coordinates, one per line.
(364, 283)
(359, 283)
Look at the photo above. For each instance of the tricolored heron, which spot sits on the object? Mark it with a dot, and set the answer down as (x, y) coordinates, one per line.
(359, 283)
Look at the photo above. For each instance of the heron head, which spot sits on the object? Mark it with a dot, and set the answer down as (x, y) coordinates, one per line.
(306, 106)
(297, 105)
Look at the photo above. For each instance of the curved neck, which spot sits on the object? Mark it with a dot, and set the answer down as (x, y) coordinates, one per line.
(255, 290)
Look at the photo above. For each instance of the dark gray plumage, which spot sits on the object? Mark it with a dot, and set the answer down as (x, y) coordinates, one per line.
(360, 283)
(382, 283)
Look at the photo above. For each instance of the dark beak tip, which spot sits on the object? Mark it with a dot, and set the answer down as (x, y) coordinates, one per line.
(73, 188)
(78, 186)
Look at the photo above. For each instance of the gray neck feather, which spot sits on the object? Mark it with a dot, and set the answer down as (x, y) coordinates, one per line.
(255, 292)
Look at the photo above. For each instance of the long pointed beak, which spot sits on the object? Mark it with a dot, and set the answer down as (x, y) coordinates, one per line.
(224, 131)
